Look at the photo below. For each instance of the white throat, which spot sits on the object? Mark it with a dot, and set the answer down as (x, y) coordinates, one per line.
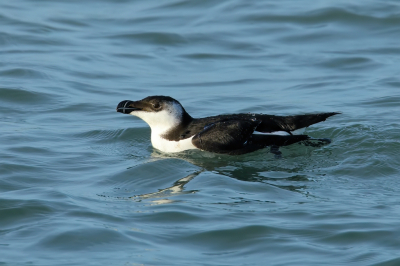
(163, 121)
(160, 123)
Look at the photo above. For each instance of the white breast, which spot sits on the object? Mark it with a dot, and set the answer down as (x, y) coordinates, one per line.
(164, 145)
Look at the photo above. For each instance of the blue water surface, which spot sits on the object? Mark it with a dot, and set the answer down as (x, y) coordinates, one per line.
(80, 184)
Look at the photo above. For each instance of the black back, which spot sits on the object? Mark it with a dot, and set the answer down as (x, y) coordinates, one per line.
(267, 123)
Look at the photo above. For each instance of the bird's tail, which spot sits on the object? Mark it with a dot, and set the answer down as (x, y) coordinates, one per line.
(271, 123)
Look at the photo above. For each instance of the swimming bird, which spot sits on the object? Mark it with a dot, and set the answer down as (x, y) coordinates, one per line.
(174, 130)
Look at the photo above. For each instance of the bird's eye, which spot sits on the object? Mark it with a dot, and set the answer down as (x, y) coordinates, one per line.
(156, 105)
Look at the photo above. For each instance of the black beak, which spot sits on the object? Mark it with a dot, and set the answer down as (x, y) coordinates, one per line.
(126, 107)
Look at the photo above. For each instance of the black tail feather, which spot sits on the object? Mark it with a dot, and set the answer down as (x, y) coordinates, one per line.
(271, 123)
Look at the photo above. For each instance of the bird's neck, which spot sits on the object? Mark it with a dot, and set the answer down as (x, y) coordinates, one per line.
(175, 131)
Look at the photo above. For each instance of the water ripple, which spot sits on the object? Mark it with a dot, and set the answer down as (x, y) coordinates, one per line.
(81, 181)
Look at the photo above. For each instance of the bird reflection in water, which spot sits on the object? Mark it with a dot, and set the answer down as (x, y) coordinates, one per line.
(287, 174)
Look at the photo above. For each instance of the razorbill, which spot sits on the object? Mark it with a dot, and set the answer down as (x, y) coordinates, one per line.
(174, 130)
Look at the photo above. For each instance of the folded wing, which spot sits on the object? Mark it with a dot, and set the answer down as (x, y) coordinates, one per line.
(236, 137)
(270, 123)
(223, 137)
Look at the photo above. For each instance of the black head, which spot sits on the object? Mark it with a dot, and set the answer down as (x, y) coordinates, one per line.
(162, 113)
(148, 104)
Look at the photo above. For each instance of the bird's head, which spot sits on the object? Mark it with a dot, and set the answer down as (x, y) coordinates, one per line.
(161, 112)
